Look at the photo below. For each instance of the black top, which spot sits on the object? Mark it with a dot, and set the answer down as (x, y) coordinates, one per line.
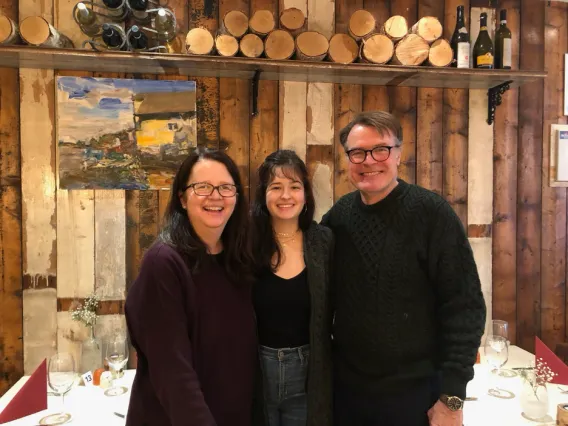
(282, 310)
(407, 292)
(195, 337)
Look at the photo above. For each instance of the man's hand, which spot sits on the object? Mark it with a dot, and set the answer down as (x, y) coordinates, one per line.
(441, 415)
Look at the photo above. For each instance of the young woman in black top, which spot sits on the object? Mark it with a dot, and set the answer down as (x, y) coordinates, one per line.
(291, 295)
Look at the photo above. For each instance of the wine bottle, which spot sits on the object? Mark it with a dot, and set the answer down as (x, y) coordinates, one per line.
(483, 48)
(137, 39)
(503, 44)
(87, 20)
(460, 41)
(164, 25)
(113, 37)
(115, 8)
(138, 8)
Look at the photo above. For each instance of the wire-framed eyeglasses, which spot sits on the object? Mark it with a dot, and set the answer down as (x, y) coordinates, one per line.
(205, 189)
(378, 153)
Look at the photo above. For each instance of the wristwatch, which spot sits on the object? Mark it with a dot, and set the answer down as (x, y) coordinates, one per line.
(452, 402)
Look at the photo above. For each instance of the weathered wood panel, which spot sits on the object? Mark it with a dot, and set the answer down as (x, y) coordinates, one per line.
(505, 191)
(264, 126)
(456, 103)
(11, 329)
(529, 177)
(553, 239)
(348, 100)
(204, 13)
(403, 101)
(234, 98)
(430, 121)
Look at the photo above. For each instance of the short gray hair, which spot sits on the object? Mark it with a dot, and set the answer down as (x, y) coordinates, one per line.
(382, 121)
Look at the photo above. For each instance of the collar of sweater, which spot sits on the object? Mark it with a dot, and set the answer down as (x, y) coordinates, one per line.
(386, 203)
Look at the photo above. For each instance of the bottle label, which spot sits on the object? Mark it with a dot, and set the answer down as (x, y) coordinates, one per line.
(462, 30)
(463, 55)
(483, 29)
(485, 60)
(503, 21)
(507, 52)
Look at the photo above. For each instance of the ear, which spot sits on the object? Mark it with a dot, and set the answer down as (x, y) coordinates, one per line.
(182, 201)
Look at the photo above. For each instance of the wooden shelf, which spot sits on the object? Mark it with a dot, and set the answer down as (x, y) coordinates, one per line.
(238, 67)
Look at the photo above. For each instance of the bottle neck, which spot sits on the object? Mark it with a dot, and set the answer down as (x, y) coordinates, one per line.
(460, 22)
(483, 24)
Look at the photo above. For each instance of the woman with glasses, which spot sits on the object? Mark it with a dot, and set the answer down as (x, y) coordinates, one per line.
(291, 295)
(189, 311)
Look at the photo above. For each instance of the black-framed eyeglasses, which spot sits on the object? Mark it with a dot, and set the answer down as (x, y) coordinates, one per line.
(205, 189)
(378, 153)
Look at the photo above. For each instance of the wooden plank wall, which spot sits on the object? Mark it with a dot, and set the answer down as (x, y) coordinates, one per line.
(58, 246)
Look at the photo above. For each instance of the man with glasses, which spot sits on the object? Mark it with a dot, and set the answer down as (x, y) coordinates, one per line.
(409, 311)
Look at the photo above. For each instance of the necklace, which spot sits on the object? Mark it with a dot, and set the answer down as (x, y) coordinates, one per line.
(283, 234)
(287, 238)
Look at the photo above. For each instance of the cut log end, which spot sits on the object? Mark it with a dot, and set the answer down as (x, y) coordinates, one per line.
(292, 19)
(251, 46)
(429, 28)
(361, 24)
(396, 27)
(6, 29)
(236, 23)
(279, 44)
(343, 49)
(377, 49)
(311, 46)
(226, 45)
(262, 22)
(411, 50)
(199, 41)
(34, 30)
(441, 53)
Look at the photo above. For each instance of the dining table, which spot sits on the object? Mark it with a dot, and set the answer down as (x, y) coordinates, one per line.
(89, 405)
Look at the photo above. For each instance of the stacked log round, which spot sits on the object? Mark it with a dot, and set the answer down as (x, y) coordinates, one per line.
(262, 22)
(226, 45)
(311, 46)
(343, 49)
(361, 24)
(199, 41)
(411, 50)
(396, 27)
(8, 31)
(292, 20)
(251, 46)
(279, 44)
(235, 23)
(429, 28)
(377, 49)
(441, 53)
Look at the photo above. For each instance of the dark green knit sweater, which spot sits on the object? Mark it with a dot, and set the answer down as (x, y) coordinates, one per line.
(408, 300)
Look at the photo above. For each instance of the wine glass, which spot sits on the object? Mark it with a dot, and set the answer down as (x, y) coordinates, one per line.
(116, 355)
(496, 355)
(501, 328)
(61, 374)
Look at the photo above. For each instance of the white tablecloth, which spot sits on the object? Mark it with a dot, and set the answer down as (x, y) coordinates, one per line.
(89, 405)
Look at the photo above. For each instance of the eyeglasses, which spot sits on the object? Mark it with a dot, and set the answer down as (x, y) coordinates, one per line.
(205, 189)
(378, 153)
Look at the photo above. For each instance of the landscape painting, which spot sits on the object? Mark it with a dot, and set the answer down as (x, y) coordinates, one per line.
(123, 133)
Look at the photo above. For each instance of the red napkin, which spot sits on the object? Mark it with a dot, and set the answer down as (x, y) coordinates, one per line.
(548, 363)
(30, 399)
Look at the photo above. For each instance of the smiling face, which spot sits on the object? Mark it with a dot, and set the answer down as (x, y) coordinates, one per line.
(208, 212)
(375, 179)
(285, 196)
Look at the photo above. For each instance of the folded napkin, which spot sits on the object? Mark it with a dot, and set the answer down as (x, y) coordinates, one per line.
(30, 399)
(548, 364)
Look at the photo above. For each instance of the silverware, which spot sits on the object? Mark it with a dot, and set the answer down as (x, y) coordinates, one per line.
(122, 416)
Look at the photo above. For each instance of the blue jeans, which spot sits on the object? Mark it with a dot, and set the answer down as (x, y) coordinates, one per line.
(285, 372)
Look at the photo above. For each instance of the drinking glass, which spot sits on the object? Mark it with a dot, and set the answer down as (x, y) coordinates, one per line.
(501, 328)
(116, 355)
(496, 355)
(61, 374)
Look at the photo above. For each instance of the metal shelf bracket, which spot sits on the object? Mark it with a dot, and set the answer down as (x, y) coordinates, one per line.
(494, 99)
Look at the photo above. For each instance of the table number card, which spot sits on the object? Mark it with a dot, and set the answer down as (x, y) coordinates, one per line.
(88, 378)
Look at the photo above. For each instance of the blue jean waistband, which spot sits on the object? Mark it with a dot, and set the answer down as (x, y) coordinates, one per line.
(284, 353)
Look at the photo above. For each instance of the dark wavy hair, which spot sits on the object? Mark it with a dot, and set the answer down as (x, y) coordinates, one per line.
(178, 232)
(263, 241)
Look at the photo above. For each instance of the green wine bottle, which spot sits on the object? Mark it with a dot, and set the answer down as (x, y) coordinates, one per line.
(503, 44)
(483, 48)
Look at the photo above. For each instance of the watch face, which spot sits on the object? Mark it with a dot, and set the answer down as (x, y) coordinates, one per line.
(454, 403)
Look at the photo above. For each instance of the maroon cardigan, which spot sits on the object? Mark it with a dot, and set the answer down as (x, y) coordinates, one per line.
(196, 342)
